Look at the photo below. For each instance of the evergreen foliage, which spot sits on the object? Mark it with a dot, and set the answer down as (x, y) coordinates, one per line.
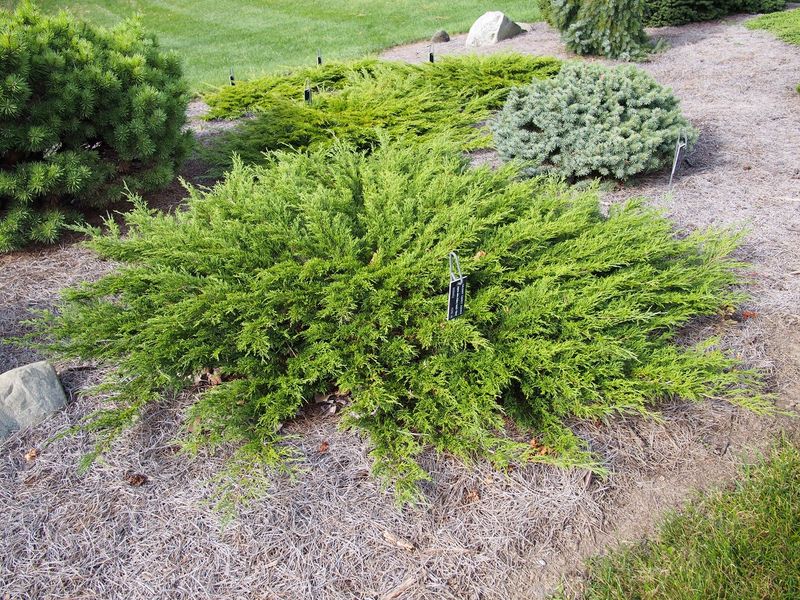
(84, 111)
(359, 102)
(660, 13)
(591, 121)
(327, 271)
(612, 28)
(785, 25)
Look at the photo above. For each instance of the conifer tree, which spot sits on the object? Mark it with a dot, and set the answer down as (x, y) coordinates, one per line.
(84, 112)
(660, 13)
(612, 28)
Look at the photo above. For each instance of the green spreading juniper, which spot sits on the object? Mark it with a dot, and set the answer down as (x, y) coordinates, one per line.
(358, 102)
(327, 271)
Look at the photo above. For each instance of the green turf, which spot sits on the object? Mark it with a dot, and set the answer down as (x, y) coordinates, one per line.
(785, 25)
(743, 543)
(260, 36)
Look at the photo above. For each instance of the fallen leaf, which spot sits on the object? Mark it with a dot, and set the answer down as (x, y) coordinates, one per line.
(397, 541)
(323, 447)
(749, 314)
(32, 454)
(472, 495)
(194, 426)
(479, 254)
(136, 479)
(214, 378)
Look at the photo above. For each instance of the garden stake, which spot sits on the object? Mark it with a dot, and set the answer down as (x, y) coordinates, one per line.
(319, 57)
(233, 81)
(680, 149)
(457, 292)
(430, 53)
(307, 92)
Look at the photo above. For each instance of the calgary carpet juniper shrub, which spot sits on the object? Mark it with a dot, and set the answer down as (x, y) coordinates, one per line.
(591, 121)
(328, 272)
(785, 25)
(359, 102)
(84, 112)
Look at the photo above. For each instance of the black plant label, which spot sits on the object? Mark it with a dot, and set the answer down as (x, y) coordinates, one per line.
(455, 301)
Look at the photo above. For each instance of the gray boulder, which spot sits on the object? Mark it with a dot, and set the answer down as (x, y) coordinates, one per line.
(440, 37)
(27, 395)
(490, 28)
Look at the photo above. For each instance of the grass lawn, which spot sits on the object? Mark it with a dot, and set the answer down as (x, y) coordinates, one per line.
(263, 35)
(785, 25)
(743, 543)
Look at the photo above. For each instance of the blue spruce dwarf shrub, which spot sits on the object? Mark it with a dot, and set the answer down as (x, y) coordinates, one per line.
(591, 121)
(84, 112)
(327, 272)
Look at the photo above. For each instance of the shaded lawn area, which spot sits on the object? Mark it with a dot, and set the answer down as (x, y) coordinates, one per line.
(256, 37)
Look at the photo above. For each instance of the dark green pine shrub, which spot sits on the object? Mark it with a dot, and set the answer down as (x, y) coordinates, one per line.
(591, 121)
(84, 112)
(369, 100)
(659, 13)
(612, 28)
(328, 271)
(762, 6)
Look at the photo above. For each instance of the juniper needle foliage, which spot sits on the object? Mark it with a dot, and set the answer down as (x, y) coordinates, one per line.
(362, 101)
(328, 271)
(592, 121)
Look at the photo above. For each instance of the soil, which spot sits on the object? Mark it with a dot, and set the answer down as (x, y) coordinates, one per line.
(330, 532)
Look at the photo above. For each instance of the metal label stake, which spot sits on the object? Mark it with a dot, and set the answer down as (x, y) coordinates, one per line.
(233, 79)
(307, 92)
(680, 151)
(430, 53)
(319, 57)
(458, 289)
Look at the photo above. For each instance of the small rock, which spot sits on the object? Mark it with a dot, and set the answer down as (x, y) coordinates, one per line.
(27, 395)
(490, 28)
(440, 37)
